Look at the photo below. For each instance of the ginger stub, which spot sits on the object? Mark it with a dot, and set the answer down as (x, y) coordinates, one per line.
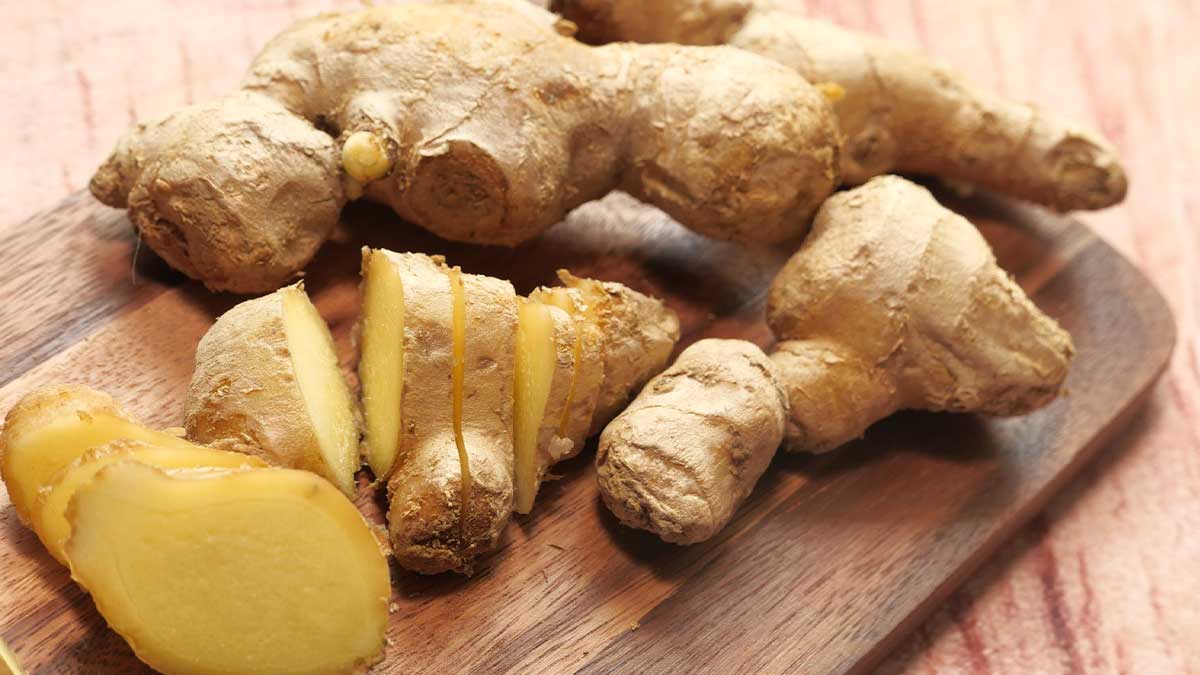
(267, 383)
(689, 449)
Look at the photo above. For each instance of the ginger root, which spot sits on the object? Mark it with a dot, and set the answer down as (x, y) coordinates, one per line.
(689, 449)
(471, 393)
(892, 302)
(479, 121)
(237, 571)
(896, 302)
(267, 383)
(588, 352)
(899, 110)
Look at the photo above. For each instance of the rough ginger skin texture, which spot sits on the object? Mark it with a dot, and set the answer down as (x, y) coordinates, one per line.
(441, 518)
(895, 302)
(487, 409)
(482, 124)
(425, 488)
(901, 112)
(689, 449)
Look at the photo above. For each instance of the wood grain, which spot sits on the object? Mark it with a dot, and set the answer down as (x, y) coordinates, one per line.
(830, 562)
(1100, 583)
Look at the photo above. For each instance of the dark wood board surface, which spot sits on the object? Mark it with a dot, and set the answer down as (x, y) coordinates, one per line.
(831, 560)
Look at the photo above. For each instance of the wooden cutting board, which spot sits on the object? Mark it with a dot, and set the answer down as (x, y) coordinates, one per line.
(830, 562)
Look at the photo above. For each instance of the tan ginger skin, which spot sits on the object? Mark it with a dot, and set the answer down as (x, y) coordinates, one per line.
(486, 399)
(892, 302)
(426, 484)
(477, 121)
(689, 449)
(900, 112)
(895, 302)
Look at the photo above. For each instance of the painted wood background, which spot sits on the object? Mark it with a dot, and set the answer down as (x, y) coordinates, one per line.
(1105, 581)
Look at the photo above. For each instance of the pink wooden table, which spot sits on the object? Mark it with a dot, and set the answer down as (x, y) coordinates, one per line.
(1108, 579)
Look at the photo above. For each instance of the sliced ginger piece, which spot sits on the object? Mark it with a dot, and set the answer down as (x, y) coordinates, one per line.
(49, 428)
(451, 478)
(326, 396)
(257, 571)
(544, 372)
(425, 483)
(381, 366)
(50, 512)
(8, 661)
(267, 383)
(485, 339)
(639, 333)
(587, 376)
(450, 488)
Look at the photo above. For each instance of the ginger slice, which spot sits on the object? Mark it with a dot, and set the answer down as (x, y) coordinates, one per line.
(381, 366)
(545, 354)
(8, 661)
(211, 572)
(50, 512)
(587, 374)
(51, 427)
(326, 395)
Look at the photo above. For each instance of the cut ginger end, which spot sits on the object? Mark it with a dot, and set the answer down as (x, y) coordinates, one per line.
(55, 432)
(535, 362)
(238, 571)
(50, 512)
(8, 661)
(381, 368)
(326, 396)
